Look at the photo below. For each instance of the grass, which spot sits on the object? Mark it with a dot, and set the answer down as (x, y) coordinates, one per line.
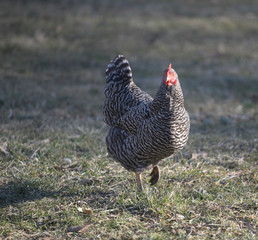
(56, 180)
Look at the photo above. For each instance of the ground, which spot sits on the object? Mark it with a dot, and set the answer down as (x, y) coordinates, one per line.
(56, 180)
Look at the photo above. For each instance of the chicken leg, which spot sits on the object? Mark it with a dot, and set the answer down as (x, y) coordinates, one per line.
(138, 180)
(154, 175)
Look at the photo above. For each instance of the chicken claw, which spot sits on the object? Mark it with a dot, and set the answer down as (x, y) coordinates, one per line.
(154, 175)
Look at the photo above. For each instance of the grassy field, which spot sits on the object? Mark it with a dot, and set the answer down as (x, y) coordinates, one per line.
(56, 180)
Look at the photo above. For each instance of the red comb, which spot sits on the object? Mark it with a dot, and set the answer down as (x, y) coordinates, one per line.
(169, 69)
(171, 78)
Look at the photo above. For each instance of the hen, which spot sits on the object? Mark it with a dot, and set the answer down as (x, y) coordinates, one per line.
(143, 130)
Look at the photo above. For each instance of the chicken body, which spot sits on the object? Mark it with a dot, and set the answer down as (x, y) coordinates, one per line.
(143, 130)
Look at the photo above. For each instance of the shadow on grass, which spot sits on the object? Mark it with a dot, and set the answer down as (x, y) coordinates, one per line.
(17, 192)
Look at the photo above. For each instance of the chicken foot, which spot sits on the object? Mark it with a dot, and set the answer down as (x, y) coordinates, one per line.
(154, 175)
(139, 182)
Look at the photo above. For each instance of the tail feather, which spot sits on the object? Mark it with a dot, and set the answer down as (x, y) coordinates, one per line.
(121, 93)
(118, 70)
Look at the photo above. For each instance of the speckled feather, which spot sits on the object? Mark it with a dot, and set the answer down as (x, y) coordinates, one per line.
(143, 130)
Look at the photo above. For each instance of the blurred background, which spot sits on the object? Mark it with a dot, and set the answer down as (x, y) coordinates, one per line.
(55, 172)
(54, 55)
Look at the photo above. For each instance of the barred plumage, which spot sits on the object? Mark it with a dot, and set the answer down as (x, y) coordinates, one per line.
(143, 130)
